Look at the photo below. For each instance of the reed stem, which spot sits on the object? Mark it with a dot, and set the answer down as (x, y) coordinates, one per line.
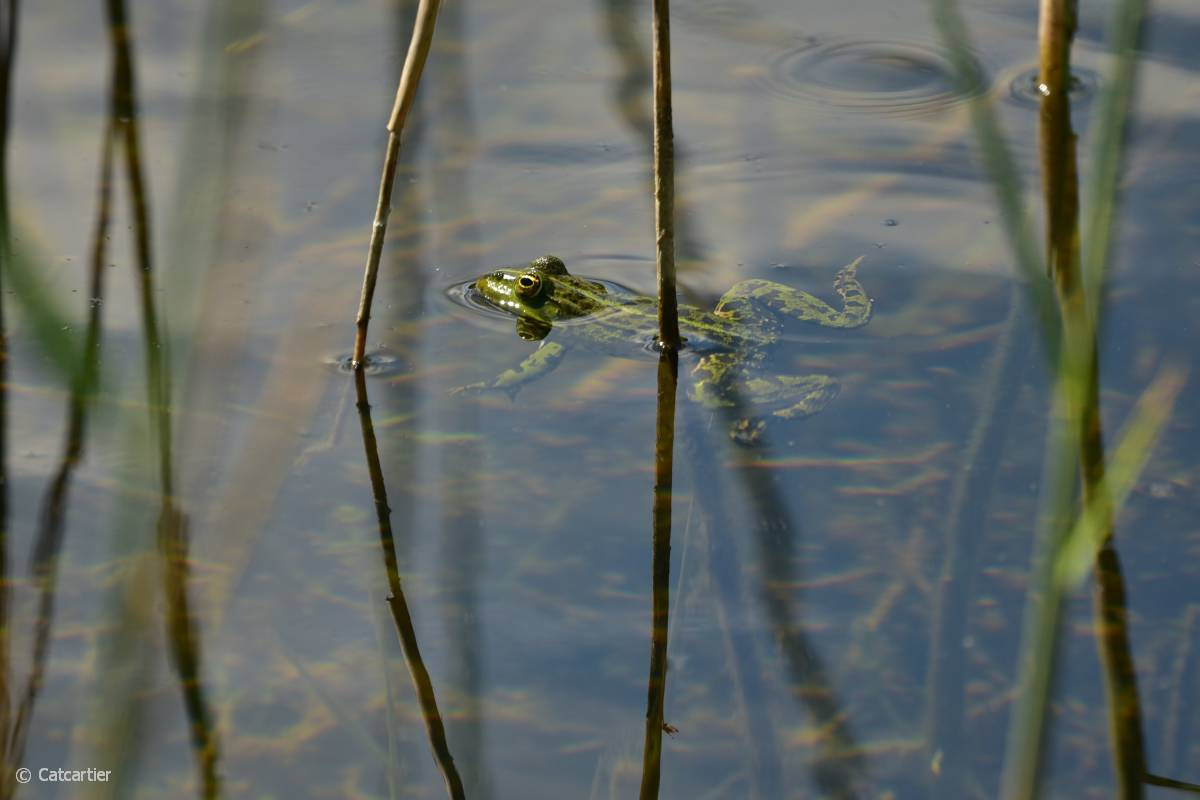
(406, 92)
(664, 181)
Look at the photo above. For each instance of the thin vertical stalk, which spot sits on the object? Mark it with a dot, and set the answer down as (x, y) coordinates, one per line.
(1057, 143)
(656, 689)
(172, 534)
(1127, 743)
(664, 180)
(53, 512)
(435, 729)
(1078, 407)
(406, 92)
(1074, 394)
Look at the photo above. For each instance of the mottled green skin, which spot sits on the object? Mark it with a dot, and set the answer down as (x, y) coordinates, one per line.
(729, 342)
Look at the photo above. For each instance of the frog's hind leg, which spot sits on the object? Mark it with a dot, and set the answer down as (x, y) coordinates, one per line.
(740, 301)
(713, 382)
(804, 395)
(793, 396)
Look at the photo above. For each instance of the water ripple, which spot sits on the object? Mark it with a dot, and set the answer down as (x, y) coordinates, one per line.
(876, 76)
(1025, 89)
(377, 362)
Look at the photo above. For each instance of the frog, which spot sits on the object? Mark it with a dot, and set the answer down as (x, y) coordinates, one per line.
(728, 344)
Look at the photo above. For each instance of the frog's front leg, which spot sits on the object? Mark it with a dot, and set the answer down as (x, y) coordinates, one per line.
(744, 301)
(538, 363)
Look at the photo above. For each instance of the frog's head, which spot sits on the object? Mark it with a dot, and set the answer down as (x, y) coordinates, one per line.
(539, 294)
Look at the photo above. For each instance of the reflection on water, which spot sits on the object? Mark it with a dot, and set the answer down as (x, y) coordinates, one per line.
(220, 563)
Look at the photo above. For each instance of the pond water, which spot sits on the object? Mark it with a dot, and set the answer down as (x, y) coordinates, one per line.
(195, 593)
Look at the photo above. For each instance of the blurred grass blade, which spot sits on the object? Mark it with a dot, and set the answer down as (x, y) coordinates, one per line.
(51, 325)
(1111, 121)
(1001, 167)
(1089, 532)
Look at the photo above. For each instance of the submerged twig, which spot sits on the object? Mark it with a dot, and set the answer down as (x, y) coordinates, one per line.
(406, 92)
(664, 448)
(183, 634)
(422, 683)
(52, 522)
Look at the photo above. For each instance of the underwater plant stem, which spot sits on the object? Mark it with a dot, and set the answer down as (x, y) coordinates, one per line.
(435, 729)
(406, 92)
(656, 686)
(966, 520)
(1120, 675)
(664, 180)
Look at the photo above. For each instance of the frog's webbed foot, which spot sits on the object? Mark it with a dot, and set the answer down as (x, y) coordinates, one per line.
(748, 432)
(536, 364)
(809, 393)
(856, 306)
(802, 396)
(740, 302)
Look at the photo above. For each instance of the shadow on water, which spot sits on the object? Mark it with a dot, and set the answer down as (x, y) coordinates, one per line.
(777, 537)
(630, 96)
(462, 565)
(966, 519)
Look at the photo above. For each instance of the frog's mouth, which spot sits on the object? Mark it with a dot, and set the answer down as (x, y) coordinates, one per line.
(467, 295)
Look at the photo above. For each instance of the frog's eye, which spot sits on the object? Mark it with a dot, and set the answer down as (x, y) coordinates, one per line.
(529, 284)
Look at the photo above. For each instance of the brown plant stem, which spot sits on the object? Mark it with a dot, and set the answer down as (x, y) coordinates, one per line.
(422, 683)
(664, 447)
(406, 92)
(664, 180)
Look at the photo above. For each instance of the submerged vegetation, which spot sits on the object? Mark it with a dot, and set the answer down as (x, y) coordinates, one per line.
(214, 528)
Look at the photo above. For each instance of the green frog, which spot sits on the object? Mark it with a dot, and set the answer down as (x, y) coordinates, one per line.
(728, 344)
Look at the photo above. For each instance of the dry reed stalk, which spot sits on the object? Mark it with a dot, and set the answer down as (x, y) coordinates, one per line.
(406, 92)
